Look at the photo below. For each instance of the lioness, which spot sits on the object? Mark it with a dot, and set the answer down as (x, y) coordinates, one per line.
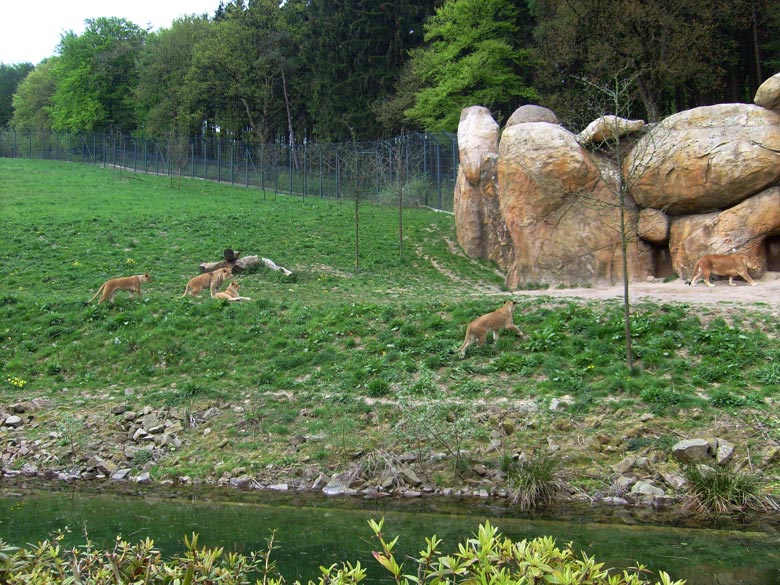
(730, 265)
(213, 280)
(493, 322)
(132, 284)
(231, 293)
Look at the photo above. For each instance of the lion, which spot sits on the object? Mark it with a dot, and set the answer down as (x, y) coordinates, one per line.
(493, 322)
(132, 284)
(730, 265)
(231, 293)
(212, 280)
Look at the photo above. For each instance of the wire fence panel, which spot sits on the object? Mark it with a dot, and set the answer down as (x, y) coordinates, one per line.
(417, 169)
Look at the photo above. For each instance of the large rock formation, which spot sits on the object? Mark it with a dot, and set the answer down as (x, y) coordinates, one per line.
(545, 204)
(482, 232)
(562, 208)
(705, 159)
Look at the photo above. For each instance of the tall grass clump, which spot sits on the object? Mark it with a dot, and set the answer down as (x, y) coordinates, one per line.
(536, 482)
(722, 490)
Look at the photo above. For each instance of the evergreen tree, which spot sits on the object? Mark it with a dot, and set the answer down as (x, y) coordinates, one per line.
(472, 56)
(354, 51)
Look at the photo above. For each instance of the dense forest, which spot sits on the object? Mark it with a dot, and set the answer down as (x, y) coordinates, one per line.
(339, 70)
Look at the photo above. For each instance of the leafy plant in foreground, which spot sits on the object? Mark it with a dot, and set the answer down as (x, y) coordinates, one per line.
(489, 557)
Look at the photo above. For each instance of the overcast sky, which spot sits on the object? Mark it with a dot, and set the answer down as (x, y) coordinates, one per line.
(31, 29)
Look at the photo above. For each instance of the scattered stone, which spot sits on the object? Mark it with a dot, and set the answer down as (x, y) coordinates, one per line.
(242, 482)
(409, 477)
(692, 451)
(13, 421)
(673, 480)
(724, 452)
(339, 485)
(143, 478)
(646, 487)
(624, 466)
(121, 474)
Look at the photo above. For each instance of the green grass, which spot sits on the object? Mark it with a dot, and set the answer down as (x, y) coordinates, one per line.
(332, 351)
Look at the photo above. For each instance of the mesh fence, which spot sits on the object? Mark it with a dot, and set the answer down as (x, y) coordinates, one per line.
(420, 168)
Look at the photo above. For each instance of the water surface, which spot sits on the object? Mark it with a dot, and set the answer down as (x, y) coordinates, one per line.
(312, 530)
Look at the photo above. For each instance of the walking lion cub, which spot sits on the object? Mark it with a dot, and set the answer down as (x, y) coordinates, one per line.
(493, 322)
(131, 284)
(730, 265)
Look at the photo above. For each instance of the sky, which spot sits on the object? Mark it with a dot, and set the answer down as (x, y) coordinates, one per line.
(31, 29)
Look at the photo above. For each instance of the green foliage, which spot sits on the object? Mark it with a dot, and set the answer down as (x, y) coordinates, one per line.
(10, 78)
(489, 557)
(32, 100)
(96, 76)
(471, 57)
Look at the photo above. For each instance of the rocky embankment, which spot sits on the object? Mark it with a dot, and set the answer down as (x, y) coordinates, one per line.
(125, 445)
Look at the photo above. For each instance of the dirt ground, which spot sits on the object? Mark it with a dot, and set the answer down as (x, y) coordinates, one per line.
(765, 295)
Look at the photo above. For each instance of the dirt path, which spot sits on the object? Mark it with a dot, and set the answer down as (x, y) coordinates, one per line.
(766, 294)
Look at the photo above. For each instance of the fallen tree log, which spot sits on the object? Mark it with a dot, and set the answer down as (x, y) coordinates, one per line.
(243, 263)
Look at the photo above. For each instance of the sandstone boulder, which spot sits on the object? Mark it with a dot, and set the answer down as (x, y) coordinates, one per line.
(741, 229)
(561, 207)
(653, 225)
(768, 94)
(481, 230)
(705, 159)
(531, 113)
(608, 128)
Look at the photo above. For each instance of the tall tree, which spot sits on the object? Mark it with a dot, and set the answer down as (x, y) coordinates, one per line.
(34, 96)
(236, 76)
(10, 78)
(666, 46)
(354, 51)
(472, 56)
(164, 64)
(96, 75)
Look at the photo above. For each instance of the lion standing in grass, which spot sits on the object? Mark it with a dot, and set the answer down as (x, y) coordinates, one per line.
(132, 284)
(493, 322)
(212, 280)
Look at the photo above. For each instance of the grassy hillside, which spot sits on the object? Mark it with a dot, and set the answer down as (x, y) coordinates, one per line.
(337, 363)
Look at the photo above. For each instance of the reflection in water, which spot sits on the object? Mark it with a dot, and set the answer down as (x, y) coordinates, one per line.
(313, 531)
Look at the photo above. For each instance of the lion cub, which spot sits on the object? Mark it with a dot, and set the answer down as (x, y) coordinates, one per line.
(212, 280)
(493, 323)
(231, 293)
(132, 284)
(730, 265)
